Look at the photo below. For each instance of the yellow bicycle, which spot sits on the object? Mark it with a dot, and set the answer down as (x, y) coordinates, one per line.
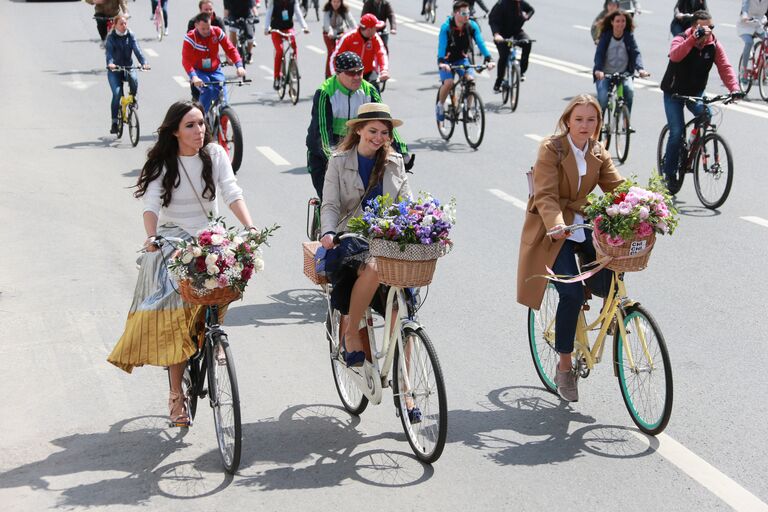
(128, 110)
(640, 357)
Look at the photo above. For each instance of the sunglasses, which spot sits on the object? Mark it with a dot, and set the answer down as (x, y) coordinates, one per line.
(354, 72)
(463, 13)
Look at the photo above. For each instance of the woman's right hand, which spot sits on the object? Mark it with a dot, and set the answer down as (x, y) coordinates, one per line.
(327, 241)
(559, 232)
(599, 75)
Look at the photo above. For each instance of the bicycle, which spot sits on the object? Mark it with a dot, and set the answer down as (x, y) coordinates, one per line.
(430, 11)
(315, 6)
(640, 358)
(705, 154)
(289, 75)
(225, 126)
(159, 20)
(510, 86)
(756, 67)
(239, 25)
(616, 116)
(313, 219)
(406, 352)
(129, 106)
(212, 364)
(467, 109)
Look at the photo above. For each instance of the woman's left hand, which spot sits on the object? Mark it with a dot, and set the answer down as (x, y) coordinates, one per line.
(327, 241)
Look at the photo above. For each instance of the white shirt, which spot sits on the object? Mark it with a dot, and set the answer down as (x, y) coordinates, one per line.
(185, 210)
(581, 163)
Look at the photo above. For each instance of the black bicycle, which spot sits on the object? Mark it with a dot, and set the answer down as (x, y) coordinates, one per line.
(464, 105)
(510, 86)
(616, 125)
(225, 126)
(241, 25)
(705, 154)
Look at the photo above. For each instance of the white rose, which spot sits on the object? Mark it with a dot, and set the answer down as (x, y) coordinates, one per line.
(428, 220)
(211, 284)
(211, 259)
(196, 251)
(186, 258)
(237, 240)
(258, 265)
(237, 268)
(213, 270)
(217, 239)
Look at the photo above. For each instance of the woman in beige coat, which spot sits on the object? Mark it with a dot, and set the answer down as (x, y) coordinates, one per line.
(569, 166)
(364, 167)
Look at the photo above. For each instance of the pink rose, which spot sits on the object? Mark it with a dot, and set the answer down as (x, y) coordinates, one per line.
(625, 208)
(247, 272)
(644, 230)
(643, 212)
(204, 238)
(614, 241)
(612, 210)
(223, 281)
(596, 224)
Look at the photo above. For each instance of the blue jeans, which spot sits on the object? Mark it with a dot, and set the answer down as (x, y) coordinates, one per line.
(602, 92)
(747, 38)
(572, 295)
(116, 79)
(208, 94)
(673, 108)
(165, 10)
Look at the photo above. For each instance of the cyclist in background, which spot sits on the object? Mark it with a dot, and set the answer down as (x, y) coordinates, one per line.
(757, 10)
(383, 11)
(103, 11)
(680, 23)
(480, 4)
(242, 9)
(691, 57)
(200, 57)
(617, 52)
(204, 6)
(165, 13)
(121, 45)
(280, 16)
(335, 102)
(368, 45)
(335, 17)
(506, 21)
(453, 48)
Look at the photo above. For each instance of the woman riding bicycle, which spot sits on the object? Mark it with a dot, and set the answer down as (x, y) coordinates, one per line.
(569, 166)
(336, 16)
(751, 21)
(280, 16)
(617, 52)
(121, 45)
(364, 167)
(179, 184)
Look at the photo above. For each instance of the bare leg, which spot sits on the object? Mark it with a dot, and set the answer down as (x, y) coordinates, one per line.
(565, 363)
(362, 293)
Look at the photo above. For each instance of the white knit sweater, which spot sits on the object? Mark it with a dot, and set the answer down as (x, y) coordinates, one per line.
(185, 210)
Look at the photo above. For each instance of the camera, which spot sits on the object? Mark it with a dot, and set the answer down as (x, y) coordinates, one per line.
(699, 32)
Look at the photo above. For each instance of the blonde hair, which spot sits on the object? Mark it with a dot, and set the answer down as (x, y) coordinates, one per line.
(352, 139)
(581, 99)
(121, 16)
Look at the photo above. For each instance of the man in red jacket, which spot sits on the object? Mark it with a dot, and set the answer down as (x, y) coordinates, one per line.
(368, 45)
(200, 57)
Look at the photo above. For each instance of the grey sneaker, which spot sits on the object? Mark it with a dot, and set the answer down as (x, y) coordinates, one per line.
(567, 385)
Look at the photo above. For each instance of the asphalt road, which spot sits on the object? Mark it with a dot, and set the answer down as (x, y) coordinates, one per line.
(81, 434)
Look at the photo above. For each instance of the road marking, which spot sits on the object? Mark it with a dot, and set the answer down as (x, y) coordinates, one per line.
(581, 27)
(182, 81)
(756, 220)
(422, 28)
(272, 155)
(315, 49)
(533, 136)
(151, 52)
(77, 83)
(268, 70)
(508, 198)
(704, 473)
(729, 25)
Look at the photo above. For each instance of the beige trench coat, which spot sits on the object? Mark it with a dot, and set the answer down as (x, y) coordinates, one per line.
(343, 188)
(555, 200)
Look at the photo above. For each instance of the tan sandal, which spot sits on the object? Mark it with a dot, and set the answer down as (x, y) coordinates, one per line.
(177, 408)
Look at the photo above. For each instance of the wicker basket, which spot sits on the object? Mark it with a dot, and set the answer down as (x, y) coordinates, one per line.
(217, 296)
(309, 249)
(407, 268)
(632, 256)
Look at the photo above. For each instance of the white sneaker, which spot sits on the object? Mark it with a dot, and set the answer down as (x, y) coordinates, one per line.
(166, 32)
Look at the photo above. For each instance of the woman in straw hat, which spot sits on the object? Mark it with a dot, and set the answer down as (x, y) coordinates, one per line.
(364, 167)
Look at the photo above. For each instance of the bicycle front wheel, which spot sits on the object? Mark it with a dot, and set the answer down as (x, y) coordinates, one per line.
(418, 382)
(351, 397)
(447, 125)
(541, 338)
(473, 119)
(230, 136)
(514, 86)
(225, 399)
(644, 371)
(159, 22)
(605, 133)
(713, 171)
(621, 133)
(762, 81)
(133, 125)
(283, 79)
(674, 185)
(293, 81)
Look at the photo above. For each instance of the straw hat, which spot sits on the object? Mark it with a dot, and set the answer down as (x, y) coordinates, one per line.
(374, 112)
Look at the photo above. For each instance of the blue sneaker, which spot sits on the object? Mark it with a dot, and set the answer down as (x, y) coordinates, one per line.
(440, 112)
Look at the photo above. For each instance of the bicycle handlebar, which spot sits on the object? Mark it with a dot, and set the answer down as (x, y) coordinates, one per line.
(477, 67)
(338, 237)
(284, 34)
(565, 229)
(517, 42)
(239, 83)
(236, 21)
(725, 98)
(127, 68)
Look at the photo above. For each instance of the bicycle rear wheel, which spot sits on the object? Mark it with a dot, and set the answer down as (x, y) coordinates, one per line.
(514, 86)
(605, 133)
(133, 125)
(420, 368)
(159, 22)
(283, 78)
(351, 397)
(293, 81)
(646, 380)
(541, 338)
(447, 126)
(762, 81)
(473, 115)
(713, 171)
(674, 185)
(225, 399)
(230, 136)
(189, 381)
(621, 133)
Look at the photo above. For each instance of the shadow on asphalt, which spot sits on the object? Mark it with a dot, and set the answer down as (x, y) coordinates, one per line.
(436, 144)
(298, 171)
(102, 142)
(289, 307)
(693, 210)
(95, 71)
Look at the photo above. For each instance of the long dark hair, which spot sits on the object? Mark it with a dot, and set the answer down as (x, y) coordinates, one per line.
(606, 24)
(342, 8)
(351, 141)
(165, 153)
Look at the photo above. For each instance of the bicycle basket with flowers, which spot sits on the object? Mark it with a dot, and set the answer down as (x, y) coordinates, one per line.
(215, 267)
(626, 221)
(406, 237)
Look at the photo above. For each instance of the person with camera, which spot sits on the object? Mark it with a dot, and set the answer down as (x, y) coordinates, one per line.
(691, 57)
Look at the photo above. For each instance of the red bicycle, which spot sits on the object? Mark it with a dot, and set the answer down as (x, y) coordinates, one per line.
(756, 66)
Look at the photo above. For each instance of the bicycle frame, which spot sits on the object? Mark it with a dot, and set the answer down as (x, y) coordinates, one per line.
(200, 359)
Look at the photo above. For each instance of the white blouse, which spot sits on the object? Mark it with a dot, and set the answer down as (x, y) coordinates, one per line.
(185, 209)
(581, 162)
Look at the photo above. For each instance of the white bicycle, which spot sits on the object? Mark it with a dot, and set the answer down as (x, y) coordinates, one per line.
(408, 354)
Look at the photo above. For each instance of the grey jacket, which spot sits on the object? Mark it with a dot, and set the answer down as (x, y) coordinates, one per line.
(343, 188)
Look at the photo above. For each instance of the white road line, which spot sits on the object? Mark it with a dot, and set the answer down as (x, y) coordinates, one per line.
(533, 136)
(508, 198)
(756, 220)
(272, 155)
(77, 83)
(421, 28)
(315, 49)
(151, 52)
(704, 473)
(265, 68)
(729, 25)
(182, 81)
(581, 27)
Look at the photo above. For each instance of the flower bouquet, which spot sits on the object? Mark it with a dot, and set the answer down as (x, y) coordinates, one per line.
(216, 266)
(406, 237)
(627, 220)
